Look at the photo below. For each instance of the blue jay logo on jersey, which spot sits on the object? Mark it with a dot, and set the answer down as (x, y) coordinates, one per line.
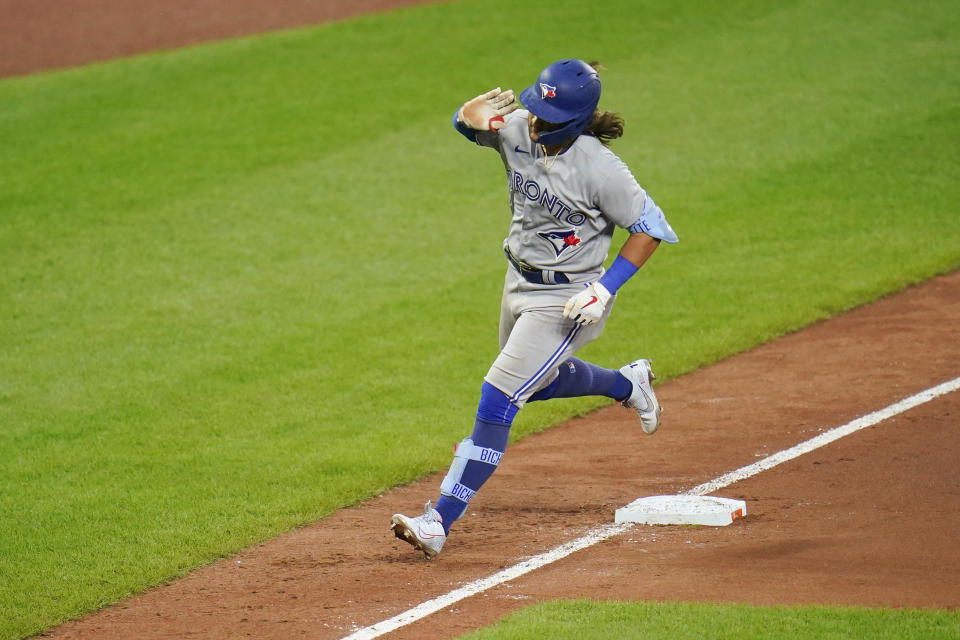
(561, 240)
(546, 91)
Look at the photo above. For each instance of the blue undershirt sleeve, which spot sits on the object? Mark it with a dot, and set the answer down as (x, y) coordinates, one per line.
(465, 131)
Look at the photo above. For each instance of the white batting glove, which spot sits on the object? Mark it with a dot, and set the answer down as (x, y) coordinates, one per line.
(587, 306)
(486, 111)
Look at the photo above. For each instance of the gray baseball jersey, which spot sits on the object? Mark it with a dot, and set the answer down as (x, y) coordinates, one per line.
(565, 207)
(564, 212)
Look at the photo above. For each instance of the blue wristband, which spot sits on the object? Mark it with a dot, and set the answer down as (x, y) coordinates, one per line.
(465, 131)
(619, 272)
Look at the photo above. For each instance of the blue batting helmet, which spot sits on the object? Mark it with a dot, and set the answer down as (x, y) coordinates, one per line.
(566, 92)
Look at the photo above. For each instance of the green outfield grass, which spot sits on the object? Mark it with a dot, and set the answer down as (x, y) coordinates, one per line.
(248, 283)
(590, 620)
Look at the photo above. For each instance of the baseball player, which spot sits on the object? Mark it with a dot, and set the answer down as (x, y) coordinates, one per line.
(568, 192)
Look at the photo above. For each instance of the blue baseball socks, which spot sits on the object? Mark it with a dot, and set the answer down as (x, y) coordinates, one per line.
(476, 457)
(578, 378)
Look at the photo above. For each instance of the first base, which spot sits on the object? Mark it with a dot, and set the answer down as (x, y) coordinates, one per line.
(703, 510)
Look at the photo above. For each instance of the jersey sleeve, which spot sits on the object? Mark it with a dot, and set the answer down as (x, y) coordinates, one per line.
(624, 202)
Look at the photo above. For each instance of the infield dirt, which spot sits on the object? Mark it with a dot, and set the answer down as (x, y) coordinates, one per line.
(869, 520)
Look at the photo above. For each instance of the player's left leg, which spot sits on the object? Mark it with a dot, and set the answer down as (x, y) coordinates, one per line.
(477, 456)
(475, 459)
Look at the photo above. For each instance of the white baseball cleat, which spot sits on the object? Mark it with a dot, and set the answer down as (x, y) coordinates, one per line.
(643, 400)
(424, 532)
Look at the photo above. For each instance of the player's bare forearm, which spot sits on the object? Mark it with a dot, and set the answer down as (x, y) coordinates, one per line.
(638, 248)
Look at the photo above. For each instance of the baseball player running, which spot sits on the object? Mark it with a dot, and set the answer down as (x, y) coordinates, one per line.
(568, 191)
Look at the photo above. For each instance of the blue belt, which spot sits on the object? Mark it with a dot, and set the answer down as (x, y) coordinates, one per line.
(536, 276)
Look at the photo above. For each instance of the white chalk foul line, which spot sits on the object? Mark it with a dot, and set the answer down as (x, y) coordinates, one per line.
(601, 533)
(592, 537)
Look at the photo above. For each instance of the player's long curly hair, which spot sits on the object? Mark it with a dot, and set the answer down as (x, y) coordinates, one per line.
(605, 125)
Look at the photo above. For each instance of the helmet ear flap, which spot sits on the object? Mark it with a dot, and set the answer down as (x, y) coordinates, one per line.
(570, 130)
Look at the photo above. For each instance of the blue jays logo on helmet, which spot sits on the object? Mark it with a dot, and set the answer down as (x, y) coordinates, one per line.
(567, 92)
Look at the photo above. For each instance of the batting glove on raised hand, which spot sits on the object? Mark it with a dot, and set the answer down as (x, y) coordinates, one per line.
(486, 111)
(587, 306)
